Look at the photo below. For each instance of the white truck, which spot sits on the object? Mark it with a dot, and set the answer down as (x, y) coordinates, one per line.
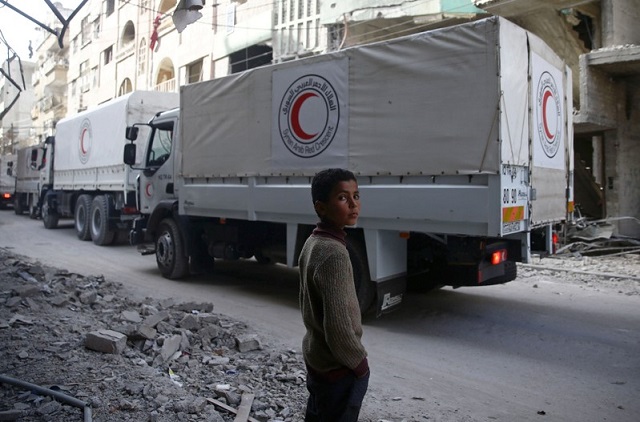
(461, 140)
(26, 170)
(83, 176)
(7, 180)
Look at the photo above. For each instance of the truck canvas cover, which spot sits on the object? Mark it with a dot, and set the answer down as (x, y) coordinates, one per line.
(432, 110)
(88, 149)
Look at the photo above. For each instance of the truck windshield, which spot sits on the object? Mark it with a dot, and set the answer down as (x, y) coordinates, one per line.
(160, 148)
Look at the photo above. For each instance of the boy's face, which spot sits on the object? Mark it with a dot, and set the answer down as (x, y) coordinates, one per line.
(343, 207)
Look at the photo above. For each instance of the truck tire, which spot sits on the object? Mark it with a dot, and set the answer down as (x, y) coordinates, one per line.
(99, 221)
(82, 216)
(170, 251)
(510, 273)
(49, 217)
(17, 205)
(33, 207)
(365, 288)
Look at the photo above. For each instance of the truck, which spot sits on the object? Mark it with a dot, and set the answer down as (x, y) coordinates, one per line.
(83, 176)
(460, 138)
(29, 163)
(7, 180)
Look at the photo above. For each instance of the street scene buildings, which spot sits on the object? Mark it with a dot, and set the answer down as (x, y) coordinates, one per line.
(112, 47)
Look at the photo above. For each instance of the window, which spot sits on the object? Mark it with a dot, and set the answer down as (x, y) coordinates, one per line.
(142, 56)
(160, 148)
(194, 72)
(128, 34)
(84, 76)
(108, 55)
(96, 28)
(111, 5)
(125, 87)
(85, 31)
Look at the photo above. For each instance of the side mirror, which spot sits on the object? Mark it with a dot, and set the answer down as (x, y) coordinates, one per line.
(130, 152)
(131, 133)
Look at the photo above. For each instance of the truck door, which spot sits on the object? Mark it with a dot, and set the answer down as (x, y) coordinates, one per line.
(156, 181)
(551, 150)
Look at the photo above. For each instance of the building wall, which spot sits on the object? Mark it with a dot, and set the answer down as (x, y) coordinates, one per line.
(16, 123)
(622, 145)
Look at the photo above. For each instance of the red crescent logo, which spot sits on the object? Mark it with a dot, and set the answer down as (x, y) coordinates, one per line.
(545, 98)
(148, 189)
(295, 116)
(84, 132)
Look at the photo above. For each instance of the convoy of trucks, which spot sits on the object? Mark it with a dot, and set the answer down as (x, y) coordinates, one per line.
(461, 140)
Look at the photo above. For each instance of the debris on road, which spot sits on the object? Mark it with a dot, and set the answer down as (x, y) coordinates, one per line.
(149, 360)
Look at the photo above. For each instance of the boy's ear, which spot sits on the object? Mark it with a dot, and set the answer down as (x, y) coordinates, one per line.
(320, 208)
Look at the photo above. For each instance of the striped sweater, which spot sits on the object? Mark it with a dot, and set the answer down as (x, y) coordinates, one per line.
(329, 306)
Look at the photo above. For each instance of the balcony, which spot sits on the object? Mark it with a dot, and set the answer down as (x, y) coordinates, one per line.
(166, 86)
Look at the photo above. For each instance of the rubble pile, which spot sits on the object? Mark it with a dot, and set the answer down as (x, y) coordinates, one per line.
(129, 360)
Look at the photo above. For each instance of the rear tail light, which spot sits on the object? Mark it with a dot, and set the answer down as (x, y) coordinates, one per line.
(6, 195)
(498, 256)
(556, 240)
(129, 210)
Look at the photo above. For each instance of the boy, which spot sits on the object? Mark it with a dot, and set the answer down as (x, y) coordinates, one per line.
(336, 360)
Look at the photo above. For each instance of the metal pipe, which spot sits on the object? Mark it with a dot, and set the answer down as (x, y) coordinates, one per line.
(55, 394)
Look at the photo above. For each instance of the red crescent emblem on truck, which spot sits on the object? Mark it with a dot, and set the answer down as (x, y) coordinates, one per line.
(547, 94)
(309, 115)
(295, 116)
(82, 147)
(85, 141)
(548, 109)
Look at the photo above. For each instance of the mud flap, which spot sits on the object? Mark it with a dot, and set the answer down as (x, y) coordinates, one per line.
(390, 294)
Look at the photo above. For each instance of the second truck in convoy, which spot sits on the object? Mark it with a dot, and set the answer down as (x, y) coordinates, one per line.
(460, 138)
(82, 175)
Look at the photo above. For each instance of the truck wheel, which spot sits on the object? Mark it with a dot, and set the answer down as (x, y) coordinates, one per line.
(510, 273)
(17, 205)
(170, 252)
(100, 232)
(81, 217)
(33, 207)
(49, 217)
(365, 288)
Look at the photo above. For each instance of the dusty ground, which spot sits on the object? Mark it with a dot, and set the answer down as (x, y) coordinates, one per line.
(174, 367)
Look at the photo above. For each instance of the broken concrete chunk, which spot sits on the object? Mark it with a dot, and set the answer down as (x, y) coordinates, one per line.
(189, 322)
(27, 290)
(131, 316)
(153, 320)
(247, 342)
(106, 341)
(89, 297)
(170, 346)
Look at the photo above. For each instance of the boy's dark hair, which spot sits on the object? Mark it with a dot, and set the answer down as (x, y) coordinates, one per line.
(324, 181)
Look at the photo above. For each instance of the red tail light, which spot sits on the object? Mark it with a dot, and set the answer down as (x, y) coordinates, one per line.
(498, 256)
(6, 195)
(129, 210)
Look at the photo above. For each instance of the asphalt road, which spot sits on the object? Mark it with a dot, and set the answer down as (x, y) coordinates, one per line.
(532, 350)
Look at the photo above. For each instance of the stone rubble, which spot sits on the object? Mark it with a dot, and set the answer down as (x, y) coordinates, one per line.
(132, 360)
